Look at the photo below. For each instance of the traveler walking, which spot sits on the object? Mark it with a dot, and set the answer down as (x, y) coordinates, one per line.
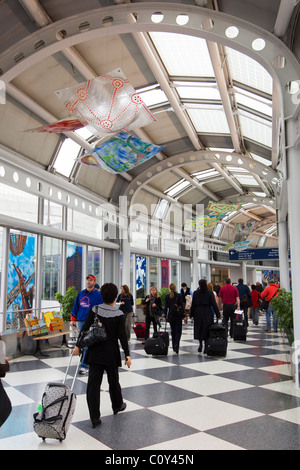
(229, 296)
(105, 355)
(174, 312)
(203, 308)
(85, 300)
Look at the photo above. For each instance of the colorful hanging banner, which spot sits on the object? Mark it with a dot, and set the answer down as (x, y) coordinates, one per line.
(245, 227)
(203, 222)
(222, 207)
(239, 246)
(120, 153)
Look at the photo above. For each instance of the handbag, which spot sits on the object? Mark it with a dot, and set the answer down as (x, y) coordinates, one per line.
(95, 334)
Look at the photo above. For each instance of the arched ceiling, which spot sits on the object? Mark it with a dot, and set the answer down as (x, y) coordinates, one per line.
(218, 112)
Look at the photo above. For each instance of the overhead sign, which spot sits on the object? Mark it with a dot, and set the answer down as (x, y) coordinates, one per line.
(256, 253)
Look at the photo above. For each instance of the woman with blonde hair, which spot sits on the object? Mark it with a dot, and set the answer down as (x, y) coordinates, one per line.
(153, 309)
(174, 312)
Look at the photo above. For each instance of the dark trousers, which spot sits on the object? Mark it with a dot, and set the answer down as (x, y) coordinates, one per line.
(93, 388)
(148, 323)
(5, 405)
(228, 313)
(176, 330)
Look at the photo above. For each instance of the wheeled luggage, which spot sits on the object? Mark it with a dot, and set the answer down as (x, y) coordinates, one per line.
(56, 410)
(158, 345)
(217, 341)
(139, 328)
(239, 326)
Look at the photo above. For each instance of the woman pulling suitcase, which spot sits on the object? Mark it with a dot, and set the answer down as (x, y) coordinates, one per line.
(174, 312)
(203, 308)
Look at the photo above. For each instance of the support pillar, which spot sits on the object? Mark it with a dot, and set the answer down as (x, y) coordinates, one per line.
(283, 253)
(293, 172)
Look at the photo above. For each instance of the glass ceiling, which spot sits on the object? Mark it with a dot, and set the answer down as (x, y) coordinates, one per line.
(192, 76)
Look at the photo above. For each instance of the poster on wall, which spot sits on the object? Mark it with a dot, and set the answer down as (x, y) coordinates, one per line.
(141, 271)
(164, 273)
(21, 279)
(74, 266)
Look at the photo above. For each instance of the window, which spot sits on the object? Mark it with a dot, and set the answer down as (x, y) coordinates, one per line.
(160, 209)
(66, 157)
(94, 262)
(51, 266)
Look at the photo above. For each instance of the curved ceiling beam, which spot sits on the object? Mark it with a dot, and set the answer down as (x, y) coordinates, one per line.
(211, 25)
(222, 159)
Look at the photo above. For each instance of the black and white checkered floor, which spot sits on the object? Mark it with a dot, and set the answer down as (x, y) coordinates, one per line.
(179, 402)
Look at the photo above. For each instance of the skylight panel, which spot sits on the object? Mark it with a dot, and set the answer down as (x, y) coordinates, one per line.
(198, 92)
(153, 96)
(246, 180)
(217, 231)
(206, 174)
(256, 128)
(262, 160)
(161, 209)
(66, 157)
(253, 101)
(177, 188)
(209, 119)
(248, 71)
(173, 49)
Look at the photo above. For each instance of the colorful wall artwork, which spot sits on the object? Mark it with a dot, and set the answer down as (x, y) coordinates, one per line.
(141, 276)
(21, 275)
(165, 273)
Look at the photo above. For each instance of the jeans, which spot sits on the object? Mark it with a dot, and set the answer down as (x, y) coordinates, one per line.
(269, 312)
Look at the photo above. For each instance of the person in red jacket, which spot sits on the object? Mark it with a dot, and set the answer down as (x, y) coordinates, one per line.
(268, 293)
(255, 295)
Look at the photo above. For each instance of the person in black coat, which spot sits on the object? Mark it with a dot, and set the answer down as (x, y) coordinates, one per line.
(126, 305)
(105, 355)
(174, 317)
(203, 308)
(153, 309)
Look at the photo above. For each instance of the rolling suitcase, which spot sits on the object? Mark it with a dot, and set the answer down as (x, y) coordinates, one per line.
(239, 326)
(156, 346)
(55, 413)
(217, 341)
(139, 328)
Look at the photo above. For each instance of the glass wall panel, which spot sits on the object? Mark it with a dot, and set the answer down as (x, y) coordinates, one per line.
(52, 214)
(175, 274)
(18, 204)
(94, 262)
(84, 224)
(154, 272)
(169, 246)
(74, 266)
(51, 266)
(21, 278)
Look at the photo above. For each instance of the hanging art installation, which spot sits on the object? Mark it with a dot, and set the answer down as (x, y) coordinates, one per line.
(120, 153)
(239, 246)
(244, 227)
(203, 222)
(106, 104)
(222, 207)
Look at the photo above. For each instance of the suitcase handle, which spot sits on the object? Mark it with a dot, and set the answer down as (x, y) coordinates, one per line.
(76, 372)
